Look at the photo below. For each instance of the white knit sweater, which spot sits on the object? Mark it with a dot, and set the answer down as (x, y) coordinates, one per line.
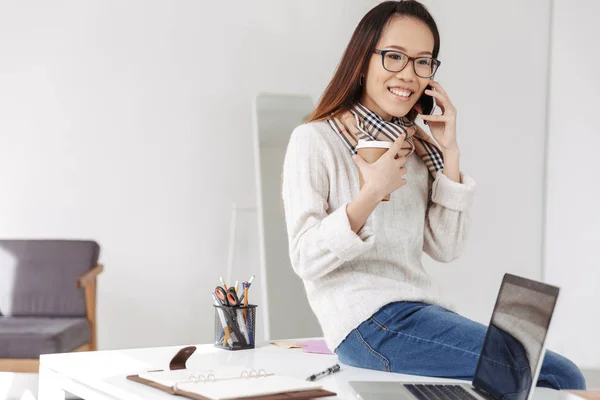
(347, 276)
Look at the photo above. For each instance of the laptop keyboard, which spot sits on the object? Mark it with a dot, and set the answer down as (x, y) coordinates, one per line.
(440, 392)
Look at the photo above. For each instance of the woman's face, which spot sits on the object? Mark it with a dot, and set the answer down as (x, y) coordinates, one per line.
(393, 94)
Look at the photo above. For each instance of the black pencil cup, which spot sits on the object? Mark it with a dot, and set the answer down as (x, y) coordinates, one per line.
(235, 327)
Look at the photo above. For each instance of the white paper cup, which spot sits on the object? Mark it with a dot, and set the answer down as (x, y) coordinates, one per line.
(370, 151)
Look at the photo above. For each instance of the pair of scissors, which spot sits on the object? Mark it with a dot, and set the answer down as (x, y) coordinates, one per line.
(227, 297)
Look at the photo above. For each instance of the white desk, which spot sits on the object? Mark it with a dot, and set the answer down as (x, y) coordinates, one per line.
(101, 375)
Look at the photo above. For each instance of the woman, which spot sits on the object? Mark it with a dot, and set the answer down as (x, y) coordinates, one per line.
(359, 257)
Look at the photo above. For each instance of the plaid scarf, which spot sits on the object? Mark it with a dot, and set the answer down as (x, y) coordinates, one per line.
(360, 123)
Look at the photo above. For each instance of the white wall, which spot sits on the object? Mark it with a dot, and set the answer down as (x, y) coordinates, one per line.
(573, 216)
(120, 121)
(130, 123)
(501, 132)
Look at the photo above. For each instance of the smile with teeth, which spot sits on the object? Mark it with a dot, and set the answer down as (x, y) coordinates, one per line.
(400, 92)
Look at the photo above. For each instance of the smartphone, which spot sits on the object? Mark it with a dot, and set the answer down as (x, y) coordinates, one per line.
(427, 103)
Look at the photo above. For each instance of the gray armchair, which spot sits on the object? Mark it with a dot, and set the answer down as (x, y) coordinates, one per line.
(47, 300)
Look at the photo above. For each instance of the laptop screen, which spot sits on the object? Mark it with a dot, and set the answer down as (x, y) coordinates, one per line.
(512, 350)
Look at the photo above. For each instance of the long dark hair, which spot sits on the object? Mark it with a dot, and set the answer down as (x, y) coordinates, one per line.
(344, 90)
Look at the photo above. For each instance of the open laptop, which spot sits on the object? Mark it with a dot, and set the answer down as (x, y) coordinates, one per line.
(515, 337)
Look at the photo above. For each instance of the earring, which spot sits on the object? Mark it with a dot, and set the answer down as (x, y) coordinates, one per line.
(362, 80)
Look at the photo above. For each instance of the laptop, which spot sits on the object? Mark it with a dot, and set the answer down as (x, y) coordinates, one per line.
(515, 337)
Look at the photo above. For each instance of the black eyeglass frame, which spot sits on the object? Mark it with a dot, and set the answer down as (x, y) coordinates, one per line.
(383, 53)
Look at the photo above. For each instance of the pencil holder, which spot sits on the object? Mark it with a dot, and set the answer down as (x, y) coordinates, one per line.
(235, 327)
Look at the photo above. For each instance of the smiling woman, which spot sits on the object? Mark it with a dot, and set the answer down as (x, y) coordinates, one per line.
(359, 257)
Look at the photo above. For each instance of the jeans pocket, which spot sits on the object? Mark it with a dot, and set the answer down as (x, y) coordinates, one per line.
(356, 352)
(400, 316)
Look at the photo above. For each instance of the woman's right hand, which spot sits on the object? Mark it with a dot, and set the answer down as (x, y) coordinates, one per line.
(387, 173)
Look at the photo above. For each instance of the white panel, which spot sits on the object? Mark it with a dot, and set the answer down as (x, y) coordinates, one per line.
(287, 310)
(573, 215)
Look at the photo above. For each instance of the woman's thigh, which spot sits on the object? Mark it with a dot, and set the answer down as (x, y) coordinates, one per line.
(417, 339)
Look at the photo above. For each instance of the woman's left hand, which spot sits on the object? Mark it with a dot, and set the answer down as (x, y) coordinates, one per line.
(443, 127)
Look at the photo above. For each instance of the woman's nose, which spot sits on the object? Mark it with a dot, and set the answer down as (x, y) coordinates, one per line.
(408, 72)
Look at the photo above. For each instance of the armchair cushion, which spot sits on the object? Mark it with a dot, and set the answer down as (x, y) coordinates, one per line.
(39, 277)
(29, 337)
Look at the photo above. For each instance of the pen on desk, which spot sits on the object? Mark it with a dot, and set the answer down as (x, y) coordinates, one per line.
(236, 286)
(328, 371)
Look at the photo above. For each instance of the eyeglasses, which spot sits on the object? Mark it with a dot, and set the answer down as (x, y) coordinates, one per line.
(395, 61)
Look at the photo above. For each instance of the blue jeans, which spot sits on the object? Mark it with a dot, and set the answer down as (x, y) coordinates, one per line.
(422, 339)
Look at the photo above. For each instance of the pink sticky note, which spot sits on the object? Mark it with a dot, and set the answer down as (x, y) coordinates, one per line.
(315, 346)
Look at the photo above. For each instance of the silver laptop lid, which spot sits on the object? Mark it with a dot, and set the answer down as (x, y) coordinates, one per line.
(513, 348)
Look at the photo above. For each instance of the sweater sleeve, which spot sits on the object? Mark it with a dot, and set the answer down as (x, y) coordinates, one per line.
(447, 220)
(320, 239)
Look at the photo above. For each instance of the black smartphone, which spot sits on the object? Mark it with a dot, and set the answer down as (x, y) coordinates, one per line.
(427, 103)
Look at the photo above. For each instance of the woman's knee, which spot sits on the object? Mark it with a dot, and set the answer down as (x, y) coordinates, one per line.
(558, 369)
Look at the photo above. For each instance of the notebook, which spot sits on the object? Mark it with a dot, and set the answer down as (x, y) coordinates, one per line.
(231, 384)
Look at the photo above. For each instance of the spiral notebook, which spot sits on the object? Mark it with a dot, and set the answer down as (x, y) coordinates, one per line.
(231, 384)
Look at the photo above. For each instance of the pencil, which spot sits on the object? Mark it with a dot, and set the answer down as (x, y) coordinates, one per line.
(245, 286)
